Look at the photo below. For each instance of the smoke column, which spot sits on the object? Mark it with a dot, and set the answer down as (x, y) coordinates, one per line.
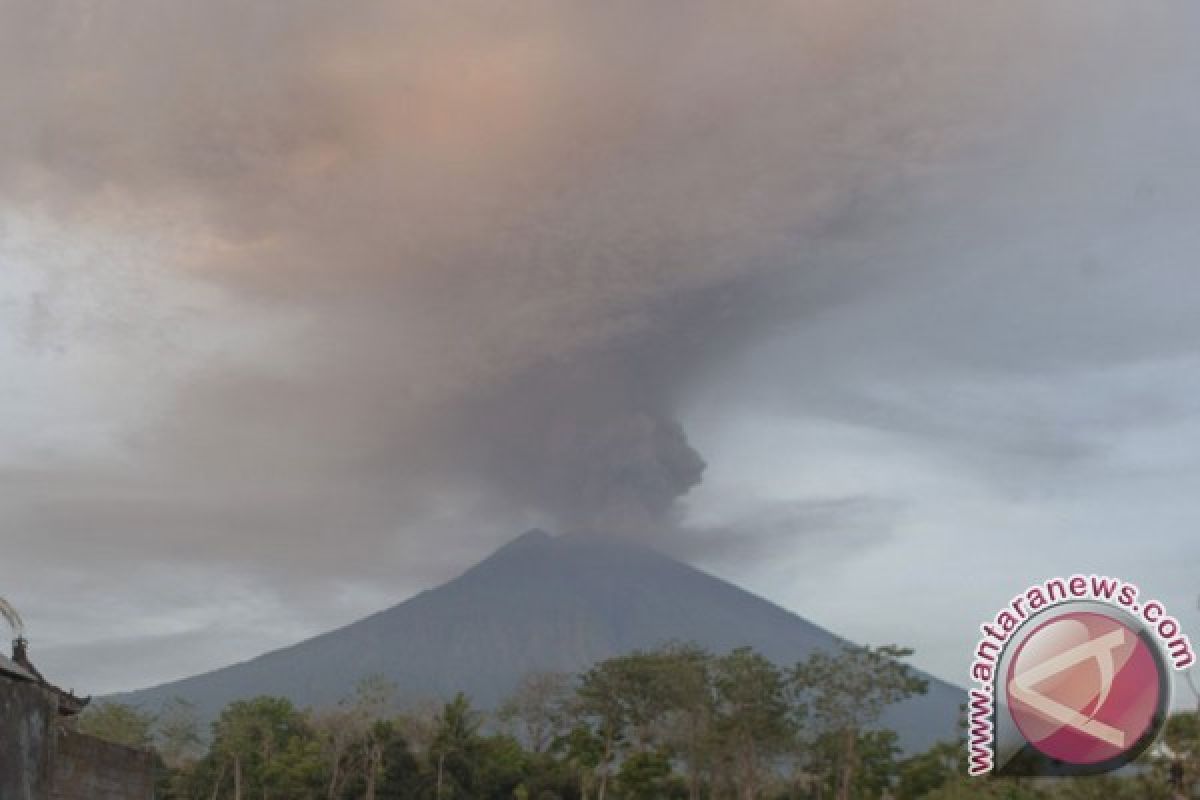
(391, 267)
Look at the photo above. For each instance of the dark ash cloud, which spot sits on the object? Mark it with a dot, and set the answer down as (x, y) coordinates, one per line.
(351, 293)
(501, 232)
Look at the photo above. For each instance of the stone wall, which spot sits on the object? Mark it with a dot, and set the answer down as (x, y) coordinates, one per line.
(86, 768)
(40, 760)
(27, 721)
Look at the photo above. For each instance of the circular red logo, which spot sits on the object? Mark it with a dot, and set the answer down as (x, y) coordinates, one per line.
(1084, 688)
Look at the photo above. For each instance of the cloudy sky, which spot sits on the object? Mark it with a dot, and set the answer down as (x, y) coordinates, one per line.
(883, 310)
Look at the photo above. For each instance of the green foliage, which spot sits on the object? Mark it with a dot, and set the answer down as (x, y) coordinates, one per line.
(349, 738)
(846, 694)
(934, 768)
(1109, 787)
(582, 752)
(548, 778)
(393, 773)
(264, 747)
(118, 723)
(648, 776)
(502, 765)
(963, 788)
(851, 689)
(878, 752)
(1182, 735)
(877, 770)
(754, 721)
(666, 724)
(177, 733)
(602, 703)
(455, 750)
(538, 709)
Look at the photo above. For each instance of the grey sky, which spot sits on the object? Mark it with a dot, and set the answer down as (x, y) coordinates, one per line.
(883, 310)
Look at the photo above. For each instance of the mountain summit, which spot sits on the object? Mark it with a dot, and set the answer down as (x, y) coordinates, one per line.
(538, 603)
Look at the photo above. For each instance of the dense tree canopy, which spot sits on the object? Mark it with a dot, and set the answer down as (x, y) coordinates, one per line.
(674, 723)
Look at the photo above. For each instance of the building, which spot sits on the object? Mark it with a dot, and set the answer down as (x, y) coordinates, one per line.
(43, 758)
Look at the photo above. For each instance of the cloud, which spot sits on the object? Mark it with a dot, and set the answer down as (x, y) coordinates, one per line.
(749, 530)
(334, 293)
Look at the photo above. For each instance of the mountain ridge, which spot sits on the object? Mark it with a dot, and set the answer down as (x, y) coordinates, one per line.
(539, 602)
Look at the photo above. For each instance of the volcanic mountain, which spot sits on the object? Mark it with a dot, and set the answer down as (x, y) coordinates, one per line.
(538, 603)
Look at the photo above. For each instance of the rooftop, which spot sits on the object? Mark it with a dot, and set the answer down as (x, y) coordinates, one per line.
(13, 669)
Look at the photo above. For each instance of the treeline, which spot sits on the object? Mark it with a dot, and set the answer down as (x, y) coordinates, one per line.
(673, 723)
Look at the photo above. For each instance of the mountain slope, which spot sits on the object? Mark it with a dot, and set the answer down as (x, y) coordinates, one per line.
(538, 603)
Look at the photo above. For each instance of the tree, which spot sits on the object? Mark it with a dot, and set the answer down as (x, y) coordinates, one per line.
(337, 731)
(728, 723)
(583, 750)
(877, 763)
(601, 705)
(648, 776)
(648, 702)
(118, 723)
(930, 770)
(754, 722)
(177, 733)
(10, 615)
(396, 773)
(964, 788)
(264, 744)
(347, 740)
(501, 766)
(374, 699)
(1112, 787)
(692, 711)
(1182, 737)
(418, 724)
(848, 692)
(454, 748)
(537, 710)
(628, 697)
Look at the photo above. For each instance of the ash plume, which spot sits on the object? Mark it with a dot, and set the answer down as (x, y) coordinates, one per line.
(377, 273)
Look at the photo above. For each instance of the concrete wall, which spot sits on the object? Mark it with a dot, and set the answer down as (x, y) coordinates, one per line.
(39, 760)
(86, 768)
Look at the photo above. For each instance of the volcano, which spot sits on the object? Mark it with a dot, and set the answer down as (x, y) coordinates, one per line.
(538, 603)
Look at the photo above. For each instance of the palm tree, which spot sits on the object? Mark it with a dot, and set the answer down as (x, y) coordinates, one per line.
(13, 619)
(458, 729)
